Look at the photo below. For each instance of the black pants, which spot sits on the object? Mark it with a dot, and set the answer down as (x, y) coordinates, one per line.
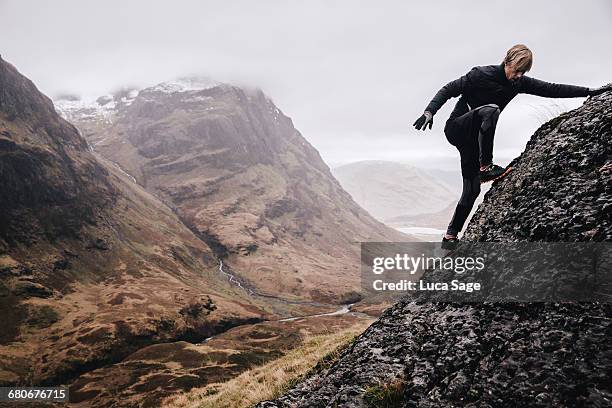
(472, 134)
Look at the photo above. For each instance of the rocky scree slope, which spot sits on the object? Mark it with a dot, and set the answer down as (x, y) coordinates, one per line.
(92, 267)
(242, 177)
(499, 354)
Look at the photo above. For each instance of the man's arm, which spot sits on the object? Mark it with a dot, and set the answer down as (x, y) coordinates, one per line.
(537, 87)
(450, 90)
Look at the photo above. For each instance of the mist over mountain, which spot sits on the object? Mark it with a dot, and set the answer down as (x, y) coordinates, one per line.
(240, 175)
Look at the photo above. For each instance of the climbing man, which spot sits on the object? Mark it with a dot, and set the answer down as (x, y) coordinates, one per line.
(485, 91)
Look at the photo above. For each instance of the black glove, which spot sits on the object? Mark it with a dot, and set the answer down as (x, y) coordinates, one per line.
(599, 91)
(422, 122)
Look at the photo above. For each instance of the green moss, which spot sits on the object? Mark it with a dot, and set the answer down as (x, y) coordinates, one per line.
(389, 395)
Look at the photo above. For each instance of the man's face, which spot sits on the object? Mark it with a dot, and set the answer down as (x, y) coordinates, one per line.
(512, 73)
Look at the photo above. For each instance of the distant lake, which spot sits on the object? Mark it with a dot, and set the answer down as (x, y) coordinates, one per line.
(421, 230)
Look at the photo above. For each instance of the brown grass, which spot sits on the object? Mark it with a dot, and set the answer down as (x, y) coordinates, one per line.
(272, 379)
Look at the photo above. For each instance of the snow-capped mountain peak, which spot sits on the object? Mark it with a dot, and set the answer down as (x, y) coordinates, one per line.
(185, 84)
(104, 108)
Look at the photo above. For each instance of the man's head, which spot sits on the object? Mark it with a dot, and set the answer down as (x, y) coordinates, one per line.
(518, 61)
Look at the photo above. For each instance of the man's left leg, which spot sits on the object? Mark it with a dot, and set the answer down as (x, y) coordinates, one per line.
(488, 115)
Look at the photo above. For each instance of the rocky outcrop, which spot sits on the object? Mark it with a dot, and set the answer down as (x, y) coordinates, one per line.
(499, 354)
(560, 188)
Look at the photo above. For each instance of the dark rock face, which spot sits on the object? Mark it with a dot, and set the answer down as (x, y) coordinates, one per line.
(20, 100)
(561, 186)
(510, 354)
(481, 356)
(51, 184)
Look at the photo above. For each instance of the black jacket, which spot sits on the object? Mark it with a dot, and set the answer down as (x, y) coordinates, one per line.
(488, 84)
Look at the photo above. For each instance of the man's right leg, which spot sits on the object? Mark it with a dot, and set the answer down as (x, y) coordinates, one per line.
(471, 190)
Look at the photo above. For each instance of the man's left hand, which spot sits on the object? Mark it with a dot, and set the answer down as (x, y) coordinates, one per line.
(422, 122)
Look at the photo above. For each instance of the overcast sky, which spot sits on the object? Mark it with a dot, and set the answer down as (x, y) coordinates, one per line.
(352, 75)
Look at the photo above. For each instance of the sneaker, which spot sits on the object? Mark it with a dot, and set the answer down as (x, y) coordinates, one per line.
(449, 243)
(492, 172)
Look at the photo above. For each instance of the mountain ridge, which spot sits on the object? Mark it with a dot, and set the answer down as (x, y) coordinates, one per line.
(92, 266)
(104, 286)
(240, 175)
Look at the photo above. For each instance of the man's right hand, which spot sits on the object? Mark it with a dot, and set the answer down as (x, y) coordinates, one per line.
(422, 122)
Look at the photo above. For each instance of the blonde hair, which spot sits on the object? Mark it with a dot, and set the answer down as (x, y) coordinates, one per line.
(520, 56)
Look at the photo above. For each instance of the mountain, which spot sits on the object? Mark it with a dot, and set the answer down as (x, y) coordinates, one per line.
(92, 266)
(390, 190)
(500, 354)
(450, 177)
(439, 219)
(238, 173)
